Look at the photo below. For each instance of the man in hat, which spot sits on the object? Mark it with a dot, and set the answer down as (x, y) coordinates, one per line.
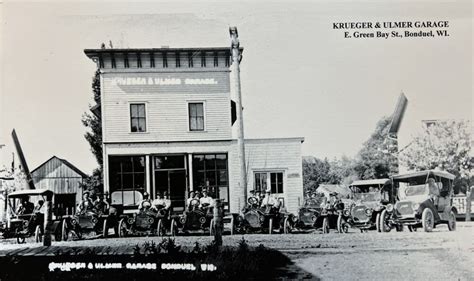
(86, 205)
(268, 200)
(205, 200)
(190, 198)
(145, 203)
(101, 205)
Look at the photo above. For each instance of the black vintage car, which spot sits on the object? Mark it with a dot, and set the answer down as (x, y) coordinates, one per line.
(195, 219)
(75, 226)
(332, 210)
(150, 221)
(369, 200)
(309, 215)
(265, 219)
(24, 225)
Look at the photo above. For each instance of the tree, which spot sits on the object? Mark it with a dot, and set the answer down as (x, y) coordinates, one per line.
(315, 172)
(94, 183)
(445, 145)
(94, 124)
(342, 171)
(376, 158)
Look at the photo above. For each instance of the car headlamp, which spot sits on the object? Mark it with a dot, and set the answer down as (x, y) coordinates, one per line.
(182, 220)
(295, 219)
(313, 218)
(415, 206)
(368, 212)
(389, 208)
(202, 220)
(130, 221)
(73, 222)
(347, 213)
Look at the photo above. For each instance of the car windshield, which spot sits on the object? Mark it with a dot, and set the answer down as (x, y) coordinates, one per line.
(413, 190)
(314, 202)
(368, 197)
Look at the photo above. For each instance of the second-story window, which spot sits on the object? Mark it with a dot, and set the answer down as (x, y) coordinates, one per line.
(196, 116)
(137, 117)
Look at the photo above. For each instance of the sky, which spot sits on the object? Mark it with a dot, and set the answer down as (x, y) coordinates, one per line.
(300, 77)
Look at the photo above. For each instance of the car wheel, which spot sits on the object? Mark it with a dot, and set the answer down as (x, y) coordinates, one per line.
(64, 230)
(122, 228)
(159, 228)
(38, 234)
(211, 228)
(270, 226)
(326, 225)
(286, 226)
(427, 220)
(452, 221)
(174, 228)
(232, 226)
(377, 223)
(105, 229)
(384, 226)
(340, 222)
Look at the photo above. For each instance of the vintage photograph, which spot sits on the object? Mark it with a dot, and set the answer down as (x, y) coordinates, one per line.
(236, 140)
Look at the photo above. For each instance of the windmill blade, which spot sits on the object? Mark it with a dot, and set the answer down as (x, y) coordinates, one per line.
(397, 116)
(22, 160)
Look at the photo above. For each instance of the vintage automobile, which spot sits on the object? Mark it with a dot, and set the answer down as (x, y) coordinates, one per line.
(265, 219)
(416, 208)
(309, 215)
(150, 221)
(195, 219)
(369, 200)
(26, 225)
(89, 222)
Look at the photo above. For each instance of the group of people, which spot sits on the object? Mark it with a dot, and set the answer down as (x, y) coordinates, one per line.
(198, 199)
(160, 202)
(26, 207)
(99, 206)
(264, 200)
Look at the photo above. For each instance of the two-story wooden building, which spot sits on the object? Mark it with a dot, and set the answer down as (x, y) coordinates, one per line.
(167, 117)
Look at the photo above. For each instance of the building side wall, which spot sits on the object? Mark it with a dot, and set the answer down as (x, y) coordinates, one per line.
(277, 155)
(166, 106)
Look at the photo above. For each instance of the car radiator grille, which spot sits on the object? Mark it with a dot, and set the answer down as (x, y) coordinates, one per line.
(358, 214)
(253, 219)
(404, 208)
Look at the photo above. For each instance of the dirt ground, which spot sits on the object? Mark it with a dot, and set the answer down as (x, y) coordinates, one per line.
(440, 255)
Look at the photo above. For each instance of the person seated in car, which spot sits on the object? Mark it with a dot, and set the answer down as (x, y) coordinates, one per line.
(190, 198)
(26, 207)
(39, 207)
(158, 203)
(167, 199)
(86, 205)
(206, 201)
(268, 201)
(101, 205)
(145, 203)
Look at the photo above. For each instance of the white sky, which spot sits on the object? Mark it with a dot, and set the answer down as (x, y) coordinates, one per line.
(299, 76)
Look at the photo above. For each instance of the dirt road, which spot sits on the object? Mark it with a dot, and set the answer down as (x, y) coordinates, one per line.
(440, 255)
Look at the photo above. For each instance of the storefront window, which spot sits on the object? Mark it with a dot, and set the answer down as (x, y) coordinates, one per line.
(127, 173)
(210, 172)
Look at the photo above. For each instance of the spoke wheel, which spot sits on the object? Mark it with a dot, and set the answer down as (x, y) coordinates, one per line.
(427, 220)
(64, 230)
(38, 237)
(159, 228)
(174, 228)
(270, 226)
(383, 221)
(122, 228)
(452, 221)
(377, 223)
(105, 229)
(326, 225)
(286, 226)
(232, 226)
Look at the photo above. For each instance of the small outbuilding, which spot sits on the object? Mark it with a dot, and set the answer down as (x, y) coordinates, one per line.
(64, 179)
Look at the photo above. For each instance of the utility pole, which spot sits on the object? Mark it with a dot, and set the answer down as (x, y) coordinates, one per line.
(235, 70)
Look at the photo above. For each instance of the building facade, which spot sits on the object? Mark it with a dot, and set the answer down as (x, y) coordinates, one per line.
(167, 116)
(64, 179)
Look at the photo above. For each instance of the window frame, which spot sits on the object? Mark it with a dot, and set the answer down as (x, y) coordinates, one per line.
(216, 170)
(130, 117)
(188, 103)
(269, 181)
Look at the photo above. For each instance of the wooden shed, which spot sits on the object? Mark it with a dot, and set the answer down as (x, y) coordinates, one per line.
(64, 179)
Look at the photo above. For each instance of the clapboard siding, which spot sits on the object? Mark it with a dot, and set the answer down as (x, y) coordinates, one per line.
(167, 111)
(56, 175)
